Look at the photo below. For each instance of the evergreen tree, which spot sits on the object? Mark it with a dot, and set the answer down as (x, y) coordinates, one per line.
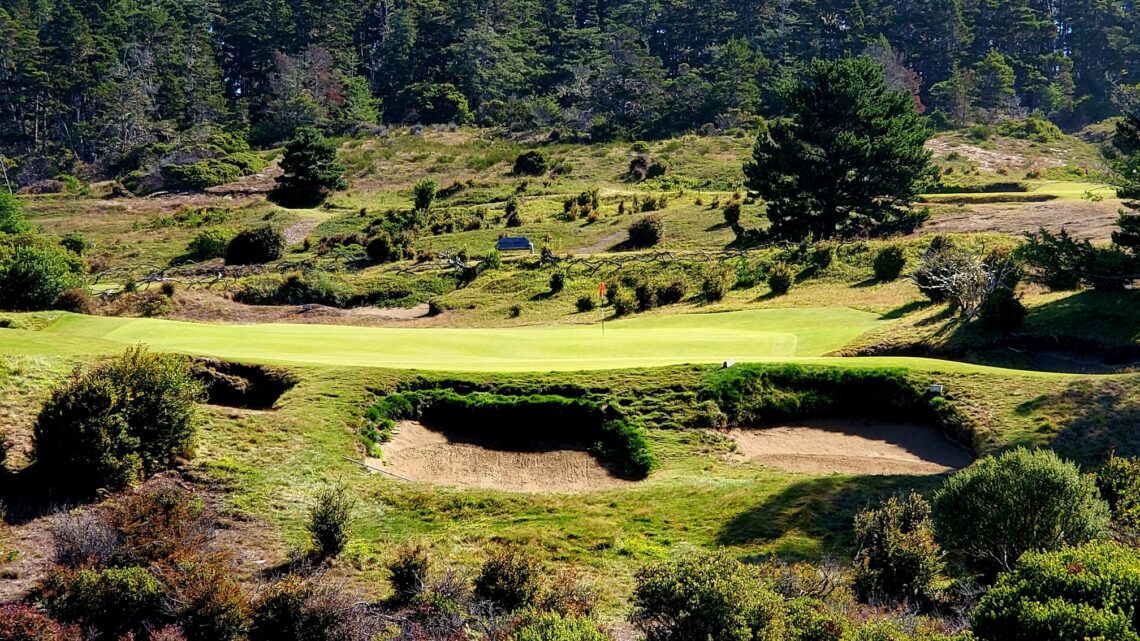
(1127, 142)
(311, 171)
(849, 162)
(11, 214)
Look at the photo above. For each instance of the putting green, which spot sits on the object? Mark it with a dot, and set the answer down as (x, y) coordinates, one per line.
(800, 334)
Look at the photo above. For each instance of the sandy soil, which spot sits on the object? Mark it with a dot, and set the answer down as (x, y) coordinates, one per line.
(420, 454)
(1082, 218)
(604, 244)
(852, 447)
(990, 160)
(198, 305)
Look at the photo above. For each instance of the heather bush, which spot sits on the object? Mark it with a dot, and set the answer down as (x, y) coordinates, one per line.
(330, 521)
(256, 246)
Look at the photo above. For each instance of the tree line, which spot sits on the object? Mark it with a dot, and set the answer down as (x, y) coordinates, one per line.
(90, 81)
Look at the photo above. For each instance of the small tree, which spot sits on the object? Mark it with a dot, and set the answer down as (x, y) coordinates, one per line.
(531, 163)
(781, 279)
(409, 572)
(34, 276)
(330, 521)
(256, 246)
(966, 279)
(12, 220)
(897, 557)
(311, 171)
(889, 263)
(980, 512)
(425, 192)
(849, 162)
(647, 231)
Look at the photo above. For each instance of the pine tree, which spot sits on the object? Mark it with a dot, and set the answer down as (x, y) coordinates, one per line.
(311, 171)
(849, 162)
(1127, 142)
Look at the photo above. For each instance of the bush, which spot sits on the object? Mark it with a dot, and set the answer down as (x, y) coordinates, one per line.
(732, 213)
(117, 422)
(492, 259)
(715, 283)
(77, 301)
(1087, 592)
(296, 609)
(424, 193)
(1118, 480)
(75, 243)
(1031, 128)
(509, 579)
(557, 282)
(704, 595)
(941, 259)
(330, 521)
(889, 263)
(409, 572)
(32, 277)
(256, 246)
(310, 170)
(210, 604)
(1055, 260)
(672, 293)
(531, 163)
(995, 492)
(555, 627)
(822, 255)
(781, 278)
(20, 622)
(113, 601)
(898, 558)
(12, 219)
(646, 232)
(1002, 311)
(210, 172)
(586, 303)
(380, 248)
(211, 243)
(811, 620)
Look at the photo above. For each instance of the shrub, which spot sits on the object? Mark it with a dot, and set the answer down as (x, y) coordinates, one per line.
(32, 277)
(310, 170)
(531, 163)
(20, 622)
(211, 243)
(557, 282)
(330, 521)
(889, 263)
(118, 421)
(210, 172)
(408, 573)
(509, 578)
(586, 303)
(624, 301)
(12, 219)
(424, 193)
(256, 246)
(155, 524)
(380, 248)
(781, 278)
(114, 601)
(1086, 592)
(77, 301)
(822, 255)
(296, 609)
(646, 232)
(704, 595)
(1031, 128)
(1118, 480)
(210, 603)
(493, 259)
(1055, 260)
(942, 259)
(1002, 311)
(556, 627)
(812, 620)
(897, 556)
(995, 492)
(672, 293)
(732, 213)
(75, 243)
(715, 283)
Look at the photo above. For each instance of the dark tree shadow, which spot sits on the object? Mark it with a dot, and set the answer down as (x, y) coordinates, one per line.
(863, 284)
(822, 508)
(905, 310)
(1093, 419)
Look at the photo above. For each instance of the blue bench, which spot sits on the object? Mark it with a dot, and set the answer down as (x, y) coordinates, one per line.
(514, 243)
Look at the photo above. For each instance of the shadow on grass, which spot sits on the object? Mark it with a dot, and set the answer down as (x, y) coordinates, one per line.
(905, 310)
(822, 508)
(1093, 419)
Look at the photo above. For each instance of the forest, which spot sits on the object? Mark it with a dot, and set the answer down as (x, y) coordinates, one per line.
(88, 86)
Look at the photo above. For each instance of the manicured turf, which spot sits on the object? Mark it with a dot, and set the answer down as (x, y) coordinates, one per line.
(802, 335)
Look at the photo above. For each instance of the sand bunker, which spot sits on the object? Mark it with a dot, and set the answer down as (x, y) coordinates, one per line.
(421, 454)
(852, 447)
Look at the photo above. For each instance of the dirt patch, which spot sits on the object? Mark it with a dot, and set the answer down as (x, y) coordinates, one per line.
(459, 460)
(990, 160)
(852, 447)
(604, 244)
(199, 305)
(1082, 218)
(242, 386)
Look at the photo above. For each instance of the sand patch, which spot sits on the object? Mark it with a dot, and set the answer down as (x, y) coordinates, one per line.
(852, 447)
(420, 454)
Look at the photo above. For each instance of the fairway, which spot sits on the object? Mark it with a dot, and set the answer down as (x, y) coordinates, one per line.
(799, 334)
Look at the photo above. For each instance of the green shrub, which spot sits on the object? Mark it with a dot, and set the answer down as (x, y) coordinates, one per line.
(1055, 260)
(1002, 311)
(552, 626)
(672, 293)
(34, 275)
(1118, 479)
(715, 283)
(116, 422)
(408, 573)
(200, 175)
(247, 163)
(557, 282)
(381, 249)
(424, 193)
(298, 609)
(586, 303)
(822, 255)
(310, 170)
(703, 595)
(509, 579)
(898, 558)
(995, 493)
(531, 163)
(812, 620)
(75, 243)
(210, 603)
(12, 219)
(732, 213)
(256, 246)
(624, 301)
(492, 259)
(781, 278)
(20, 622)
(889, 263)
(330, 521)
(1031, 128)
(211, 243)
(1087, 592)
(114, 601)
(647, 231)
(77, 301)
